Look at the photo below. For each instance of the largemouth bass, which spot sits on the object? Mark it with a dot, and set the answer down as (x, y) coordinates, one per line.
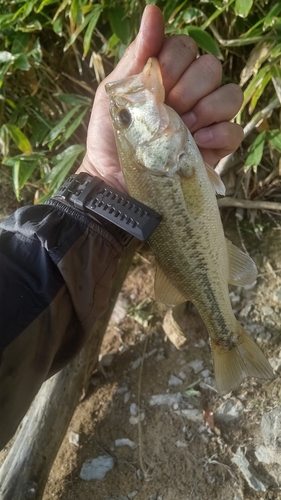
(163, 168)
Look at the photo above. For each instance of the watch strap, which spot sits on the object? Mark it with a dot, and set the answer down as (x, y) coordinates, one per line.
(122, 215)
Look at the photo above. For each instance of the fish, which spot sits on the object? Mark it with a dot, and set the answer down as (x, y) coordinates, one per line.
(163, 168)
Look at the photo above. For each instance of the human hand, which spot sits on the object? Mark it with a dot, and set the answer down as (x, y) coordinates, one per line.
(192, 88)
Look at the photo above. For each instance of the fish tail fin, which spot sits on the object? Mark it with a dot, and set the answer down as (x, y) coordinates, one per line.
(243, 360)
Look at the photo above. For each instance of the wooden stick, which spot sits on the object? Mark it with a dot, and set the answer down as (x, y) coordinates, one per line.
(249, 204)
(26, 469)
(231, 160)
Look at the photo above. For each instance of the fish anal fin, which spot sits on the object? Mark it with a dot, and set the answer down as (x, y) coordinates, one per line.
(242, 269)
(215, 179)
(165, 292)
(237, 364)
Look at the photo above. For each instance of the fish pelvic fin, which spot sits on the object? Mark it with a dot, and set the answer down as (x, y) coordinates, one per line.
(215, 179)
(165, 292)
(243, 360)
(242, 269)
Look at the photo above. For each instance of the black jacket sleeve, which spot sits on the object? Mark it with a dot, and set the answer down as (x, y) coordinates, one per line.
(56, 269)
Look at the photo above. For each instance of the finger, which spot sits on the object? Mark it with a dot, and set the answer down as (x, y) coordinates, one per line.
(221, 105)
(218, 140)
(176, 55)
(200, 79)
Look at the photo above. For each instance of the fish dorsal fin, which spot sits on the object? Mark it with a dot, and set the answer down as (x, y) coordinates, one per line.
(242, 269)
(215, 179)
(165, 292)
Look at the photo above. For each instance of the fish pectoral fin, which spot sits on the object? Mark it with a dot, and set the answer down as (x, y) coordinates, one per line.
(165, 292)
(244, 360)
(215, 179)
(242, 269)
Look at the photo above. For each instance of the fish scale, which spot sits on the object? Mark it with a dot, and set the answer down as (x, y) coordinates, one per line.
(163, 169)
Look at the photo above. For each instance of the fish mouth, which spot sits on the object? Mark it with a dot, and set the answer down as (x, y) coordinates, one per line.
(149, 79)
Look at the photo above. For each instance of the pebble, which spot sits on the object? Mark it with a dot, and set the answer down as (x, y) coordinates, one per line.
(96, 468)
(271, 433)
(262, 454)
(74, 438)
(245, 311)
(206, 373)
(132, 494)
(277, 295)
(127, 396)
(267, 310)
(196, 365)
(229, 411)
(275, 363)
(165, 399)
(120, 309)
(125, 442)
(182, 375)
(136, 363)
(175, 381)
(248, 471)
(134, 409)
(134, 420)
(181, 444)
(193, 415)
(121, 390)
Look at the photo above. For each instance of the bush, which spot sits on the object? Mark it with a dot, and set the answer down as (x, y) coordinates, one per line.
(47, 50)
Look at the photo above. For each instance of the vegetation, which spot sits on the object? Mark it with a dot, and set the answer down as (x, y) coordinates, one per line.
(53, 54)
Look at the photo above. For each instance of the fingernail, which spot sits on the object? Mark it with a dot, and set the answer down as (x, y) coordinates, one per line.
(189, 119)
(203, 136)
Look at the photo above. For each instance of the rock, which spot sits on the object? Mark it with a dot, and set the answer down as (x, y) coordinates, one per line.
(132, 494)
(134, 409)
(127, 396)
(136, 363)
(181, 444)
(248, 472)
(267, 311)
(182, 375)
(96, 468)
(277, 295)
(165, 399)
(120, 309)
(175, 381)
(125, 442)
(192, 414)
(74, 438)
(229, 411)
(275, 363)
(122, 390)
(206, 373)
(245, 311)
(262, 454)
(271, 433)
(196, 365)
(134, 420)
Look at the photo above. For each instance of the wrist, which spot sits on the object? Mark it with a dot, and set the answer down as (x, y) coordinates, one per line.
(115, 180)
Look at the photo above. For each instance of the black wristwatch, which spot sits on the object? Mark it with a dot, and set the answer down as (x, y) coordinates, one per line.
(123, 216)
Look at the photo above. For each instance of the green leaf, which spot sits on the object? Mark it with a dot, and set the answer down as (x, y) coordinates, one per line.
(73, 126)
(191, 14)
(21, 62)
(19, 138)
(203, 40)
(254, 84)
(74, 99)
(120, 24)
(272, 14)
(76, 13)
(5, 21)
(274, 139)
(60, 126)
(256, 152)
(243, 7)
(259, 92)
(63, 163)
(95, 14)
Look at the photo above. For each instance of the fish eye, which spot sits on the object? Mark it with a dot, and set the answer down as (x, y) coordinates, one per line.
(124, 117)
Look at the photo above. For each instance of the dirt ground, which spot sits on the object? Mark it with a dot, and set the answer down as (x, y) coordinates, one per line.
(182, 448)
